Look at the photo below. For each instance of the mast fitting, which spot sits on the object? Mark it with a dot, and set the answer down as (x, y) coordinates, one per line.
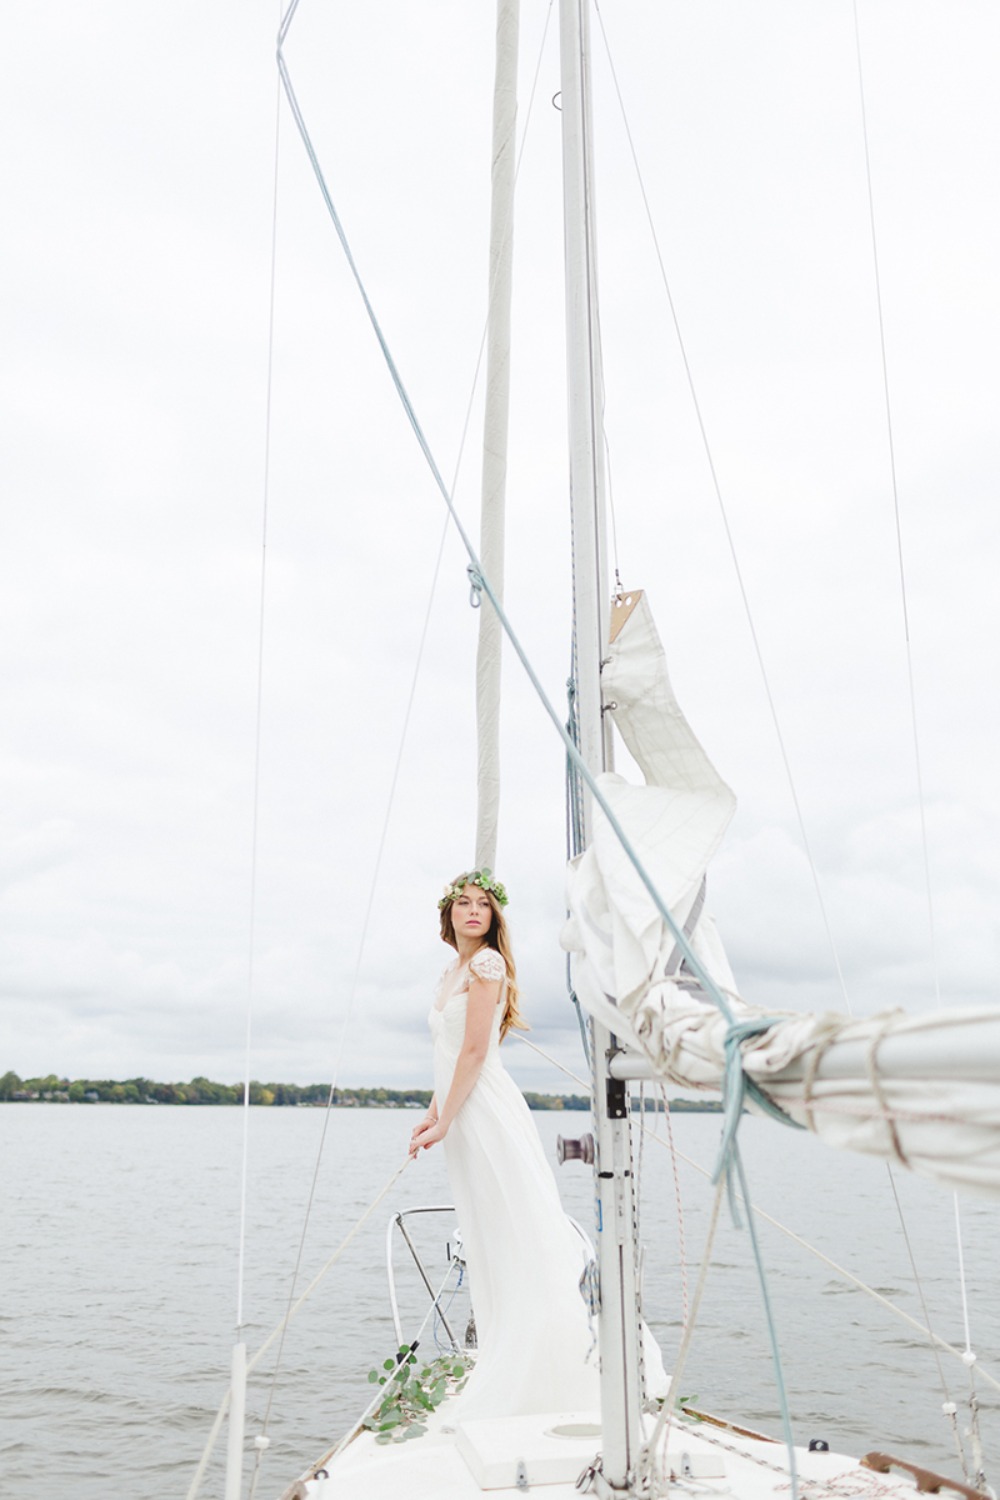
(617, 1101)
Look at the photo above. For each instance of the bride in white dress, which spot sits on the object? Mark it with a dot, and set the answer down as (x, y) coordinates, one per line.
(536, 1347)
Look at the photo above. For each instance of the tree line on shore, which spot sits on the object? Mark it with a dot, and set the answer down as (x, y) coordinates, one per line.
(202, 1091)
(52, 1089)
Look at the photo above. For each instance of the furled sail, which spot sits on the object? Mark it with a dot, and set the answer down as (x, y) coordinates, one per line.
(921, 1090)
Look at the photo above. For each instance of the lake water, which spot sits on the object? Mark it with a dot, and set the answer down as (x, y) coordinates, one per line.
(119, 1287)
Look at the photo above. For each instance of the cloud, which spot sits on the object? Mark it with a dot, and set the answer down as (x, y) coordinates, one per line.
(144, 824)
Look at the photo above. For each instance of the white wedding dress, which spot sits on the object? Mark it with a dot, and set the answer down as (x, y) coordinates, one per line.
(537, 1352)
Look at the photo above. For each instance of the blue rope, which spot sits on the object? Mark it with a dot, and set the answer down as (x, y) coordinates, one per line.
(736, 1082)
(738, 1087)
(736, 1165)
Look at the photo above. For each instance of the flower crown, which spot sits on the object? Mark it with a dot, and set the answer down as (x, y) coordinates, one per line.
(483, 878)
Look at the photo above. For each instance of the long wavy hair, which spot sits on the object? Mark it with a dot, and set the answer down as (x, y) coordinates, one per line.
(498, 938)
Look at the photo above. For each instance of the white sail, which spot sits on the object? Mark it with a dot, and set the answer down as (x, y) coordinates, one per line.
(923, 1091)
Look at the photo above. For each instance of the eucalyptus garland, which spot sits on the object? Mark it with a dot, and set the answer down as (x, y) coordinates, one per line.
(483, 878)
(412, 1394)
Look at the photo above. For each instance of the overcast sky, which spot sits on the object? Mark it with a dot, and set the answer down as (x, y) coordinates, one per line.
(137, 192)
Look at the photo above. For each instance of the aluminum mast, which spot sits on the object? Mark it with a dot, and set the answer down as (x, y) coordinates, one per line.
(621, 1393)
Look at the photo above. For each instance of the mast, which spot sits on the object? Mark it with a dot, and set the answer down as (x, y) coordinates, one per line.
(621, 1392)
(495, 423)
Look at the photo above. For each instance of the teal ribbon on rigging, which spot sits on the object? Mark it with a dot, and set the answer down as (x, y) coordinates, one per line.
(737, 1088)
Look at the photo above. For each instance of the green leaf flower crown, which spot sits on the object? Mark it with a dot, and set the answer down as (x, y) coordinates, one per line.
(483, 878)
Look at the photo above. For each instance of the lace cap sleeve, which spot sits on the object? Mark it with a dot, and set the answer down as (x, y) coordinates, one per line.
(487, 964)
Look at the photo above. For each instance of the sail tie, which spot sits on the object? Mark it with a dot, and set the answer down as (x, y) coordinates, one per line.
(738, 1087)
(871, 1065)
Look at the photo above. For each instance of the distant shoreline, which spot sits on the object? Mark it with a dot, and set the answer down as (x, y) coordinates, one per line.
(202, 1092)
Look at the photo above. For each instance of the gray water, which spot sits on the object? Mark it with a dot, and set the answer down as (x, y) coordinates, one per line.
(119, 1263)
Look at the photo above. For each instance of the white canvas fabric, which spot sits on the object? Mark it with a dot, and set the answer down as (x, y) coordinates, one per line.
(924, 1091)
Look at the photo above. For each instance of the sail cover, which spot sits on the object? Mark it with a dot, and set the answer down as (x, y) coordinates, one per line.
(922, 1090)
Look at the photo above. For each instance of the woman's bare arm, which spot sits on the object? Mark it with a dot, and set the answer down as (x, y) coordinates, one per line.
(480, 1011)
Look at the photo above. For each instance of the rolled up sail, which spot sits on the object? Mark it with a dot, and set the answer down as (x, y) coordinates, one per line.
(923, 1090)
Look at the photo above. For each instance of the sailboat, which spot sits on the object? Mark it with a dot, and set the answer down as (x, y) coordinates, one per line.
(649, 969)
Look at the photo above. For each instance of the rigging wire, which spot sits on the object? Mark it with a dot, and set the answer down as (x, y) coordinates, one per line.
(661, 1429)
(480, 583)
(948, 1406)
(238, 1422)
(612, 514)
(390, 803)
(890, 440)
(731, 1160)
(917, 754)
(442, 1341)
(841, 1271)
(679, 1201)
(730, 540)
(969, 1358)
(903, 594)
(279, 1331)
(352, 997)
(965, 1300)
(258, 720)
(418, 433)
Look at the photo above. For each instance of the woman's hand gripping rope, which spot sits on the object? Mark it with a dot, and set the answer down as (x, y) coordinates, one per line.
(427, 1134)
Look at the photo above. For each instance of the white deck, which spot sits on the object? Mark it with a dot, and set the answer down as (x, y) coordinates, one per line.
(481, 1459)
